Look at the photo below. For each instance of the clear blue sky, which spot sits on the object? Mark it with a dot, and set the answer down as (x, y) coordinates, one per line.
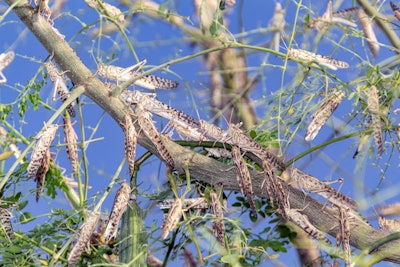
(158, 42)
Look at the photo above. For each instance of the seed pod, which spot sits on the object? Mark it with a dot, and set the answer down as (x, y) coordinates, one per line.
(134, 238)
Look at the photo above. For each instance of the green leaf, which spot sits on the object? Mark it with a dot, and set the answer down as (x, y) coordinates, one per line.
(253, 216)
(258, 243)
(283, 230)
(307, 19)
(266, 230)
(18, 196)
(26, 217)
(22, 205)
(35, 100)
(162, 8)
(54, 181)
(232, 259)
(22, 107)
(5, 110)
(14, 249)
(220, 19)
(239, 198)
(214, 28)
(277, 246)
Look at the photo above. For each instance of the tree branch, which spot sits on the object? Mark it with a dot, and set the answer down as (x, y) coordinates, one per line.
(201, 167)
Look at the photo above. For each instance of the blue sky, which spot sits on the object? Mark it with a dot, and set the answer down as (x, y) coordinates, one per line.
(158, 42)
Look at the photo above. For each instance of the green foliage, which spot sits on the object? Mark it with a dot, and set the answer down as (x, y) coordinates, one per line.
(25, 217)
(18, 253)
(275, 238)
(266, 139)
(54, 181)
(5, 110)
(33, 97)
(287, 100)
(307, 19)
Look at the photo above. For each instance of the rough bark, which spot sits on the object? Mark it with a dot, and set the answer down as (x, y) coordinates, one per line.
(363, 236)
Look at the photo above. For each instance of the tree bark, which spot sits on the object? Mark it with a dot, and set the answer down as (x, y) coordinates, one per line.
(206, 169)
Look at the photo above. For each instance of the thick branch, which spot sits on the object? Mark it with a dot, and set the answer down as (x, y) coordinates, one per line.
(320, 215)
(201, 167)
